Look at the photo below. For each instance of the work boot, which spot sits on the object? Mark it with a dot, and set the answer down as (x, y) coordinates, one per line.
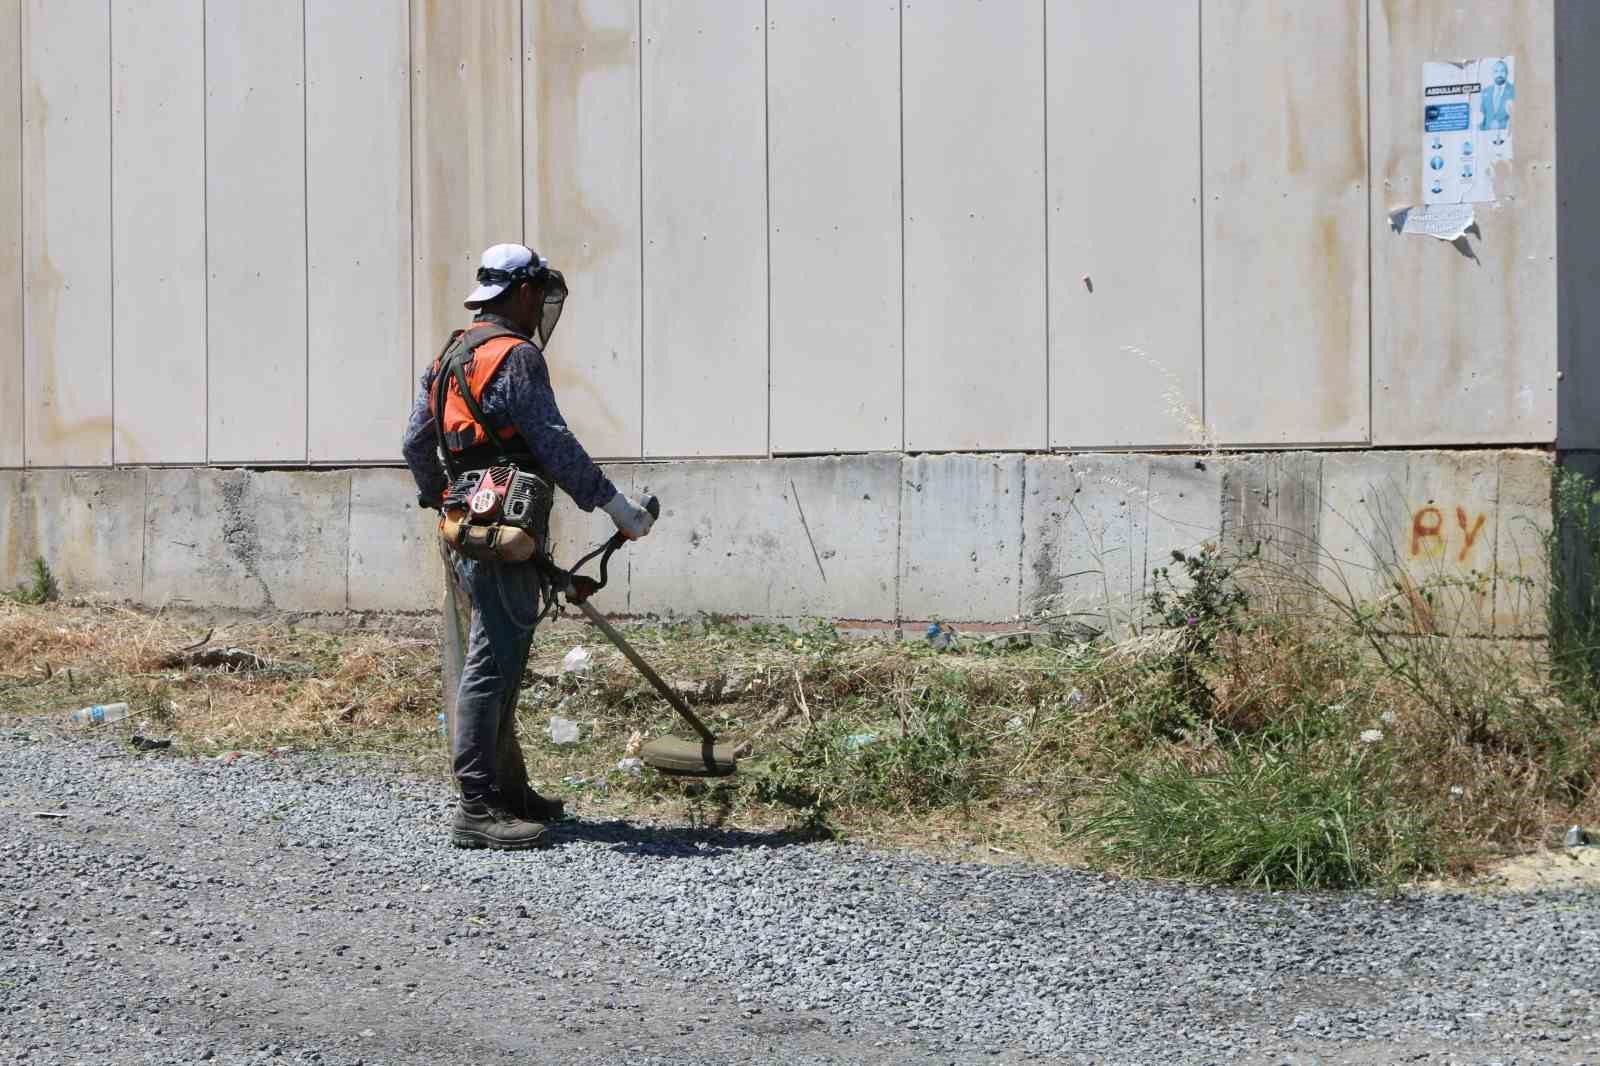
(533, 807)
(487, 823)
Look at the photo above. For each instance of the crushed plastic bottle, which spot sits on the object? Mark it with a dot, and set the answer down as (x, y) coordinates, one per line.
(563, 730)
(578, 662)
(1578, 837)
(858, 741)
(99, 714)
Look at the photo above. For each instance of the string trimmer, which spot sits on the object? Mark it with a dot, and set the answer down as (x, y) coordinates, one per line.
(670, 755)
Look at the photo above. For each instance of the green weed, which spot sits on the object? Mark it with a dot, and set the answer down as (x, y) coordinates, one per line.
(41, 586)
(1267, 819)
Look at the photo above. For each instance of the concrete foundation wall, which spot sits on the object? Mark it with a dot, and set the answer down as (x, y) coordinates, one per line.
(886, 538)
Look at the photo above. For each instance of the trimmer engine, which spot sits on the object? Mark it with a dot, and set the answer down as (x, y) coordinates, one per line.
(499, 494)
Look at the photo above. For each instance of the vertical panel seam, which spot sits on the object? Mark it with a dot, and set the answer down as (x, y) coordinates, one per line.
(411, 211)
(305, 224)
(1044, 92)
(205, 221)
(1022, 527)
(22, 219)
(1200, 184)
(349, 538)
(144, 531)
(766, 164)
(642, 320)
(1367, 228)
(111, 237)
(522, 117)
(900, 16)
(1494, 546)
(899, 535)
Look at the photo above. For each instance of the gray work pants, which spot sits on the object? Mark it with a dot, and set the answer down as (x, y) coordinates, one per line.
(490, 612)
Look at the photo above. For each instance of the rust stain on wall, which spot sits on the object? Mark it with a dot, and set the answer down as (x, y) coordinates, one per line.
(1331, 316)
(568, 49)
(11, 358)
(54, 435)
(577, 233)
(466, 152)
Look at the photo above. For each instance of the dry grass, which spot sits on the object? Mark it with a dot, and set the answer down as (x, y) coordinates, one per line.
(988, 752)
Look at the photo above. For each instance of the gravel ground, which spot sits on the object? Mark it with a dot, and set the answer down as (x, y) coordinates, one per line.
(309, 909)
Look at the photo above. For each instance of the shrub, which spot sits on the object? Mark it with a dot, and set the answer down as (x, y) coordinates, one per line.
(1266, 819)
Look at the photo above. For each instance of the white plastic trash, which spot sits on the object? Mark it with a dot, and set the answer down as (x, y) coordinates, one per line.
(563, 730)
(578, 661)
(632, 765)
(99, 713)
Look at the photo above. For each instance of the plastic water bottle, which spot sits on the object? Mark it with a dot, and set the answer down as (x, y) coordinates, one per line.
(99, 713)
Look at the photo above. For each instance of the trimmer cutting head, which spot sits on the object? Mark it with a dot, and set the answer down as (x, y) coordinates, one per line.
(690, 758)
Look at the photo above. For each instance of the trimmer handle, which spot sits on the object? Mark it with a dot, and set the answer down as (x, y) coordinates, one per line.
(579, 586)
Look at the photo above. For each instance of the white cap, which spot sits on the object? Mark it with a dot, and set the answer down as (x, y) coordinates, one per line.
(507, 258)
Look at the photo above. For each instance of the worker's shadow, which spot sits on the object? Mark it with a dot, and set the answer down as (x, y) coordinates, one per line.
(676, 842)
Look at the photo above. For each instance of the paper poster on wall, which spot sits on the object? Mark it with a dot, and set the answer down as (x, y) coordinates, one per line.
(1448, 222)
(1466, 127)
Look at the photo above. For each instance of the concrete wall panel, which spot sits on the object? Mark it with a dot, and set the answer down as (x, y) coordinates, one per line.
(1450, 539)
(466, 154)
(974, 225)
(960, 537)
(256, 232)
(1577, 86)
(12, 401)
(1095, 526)
(834, 174)
(705, 226)
(88, 525)
(1521, 522)
(1284, 104)
(66, 161)
(1362, 521)
(1464, 346)
(158, 239)
(16, 524)
(358, 233)
(1124, 228)
(394, 562)
(243, 539)
(1272, 503)
(581, 166)
(801, 538)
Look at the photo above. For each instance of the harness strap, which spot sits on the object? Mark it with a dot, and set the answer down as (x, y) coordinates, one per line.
(452, 364)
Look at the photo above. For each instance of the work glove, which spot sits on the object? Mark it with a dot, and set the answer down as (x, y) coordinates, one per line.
(632, 521)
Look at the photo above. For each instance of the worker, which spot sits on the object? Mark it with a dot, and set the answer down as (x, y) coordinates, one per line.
(493, 606)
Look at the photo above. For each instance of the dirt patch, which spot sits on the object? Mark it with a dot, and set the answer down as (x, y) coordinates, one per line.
(1559, 869)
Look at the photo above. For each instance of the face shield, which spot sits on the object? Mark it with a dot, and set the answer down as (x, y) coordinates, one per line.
(554, 287)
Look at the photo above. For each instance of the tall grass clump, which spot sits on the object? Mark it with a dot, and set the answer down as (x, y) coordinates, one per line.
(1572, 609)
(1269, 817)
(41, 586)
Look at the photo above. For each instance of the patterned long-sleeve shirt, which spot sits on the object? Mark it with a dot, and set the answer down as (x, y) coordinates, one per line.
(519, 392)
